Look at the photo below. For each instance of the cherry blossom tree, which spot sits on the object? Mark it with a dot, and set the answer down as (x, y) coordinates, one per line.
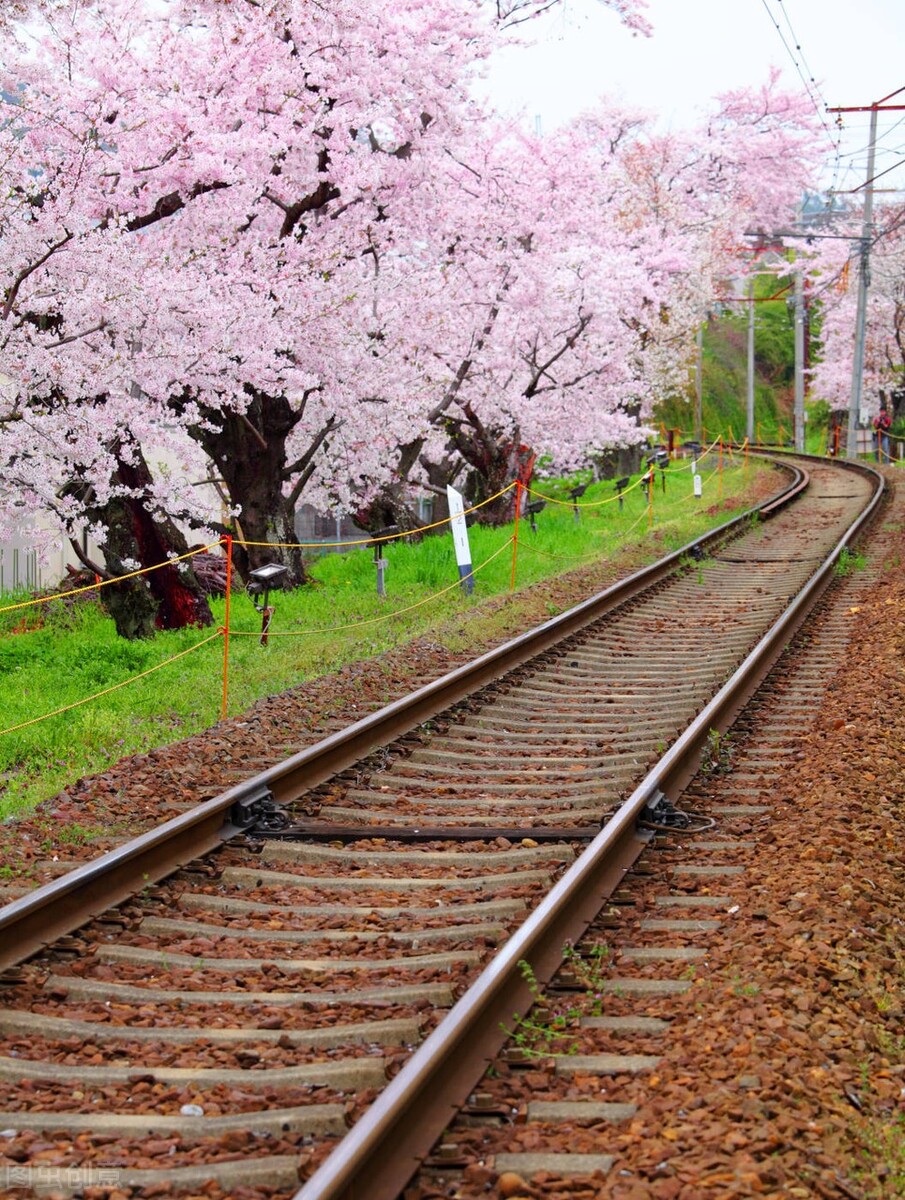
(835, 267)
(197, 189)
(284, 233)
(585, 261)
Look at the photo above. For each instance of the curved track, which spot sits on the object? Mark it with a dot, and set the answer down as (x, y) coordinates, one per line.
(231, 1022)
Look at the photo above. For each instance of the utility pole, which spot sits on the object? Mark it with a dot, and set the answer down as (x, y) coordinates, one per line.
(749, 427)
(854, 408)
(799, 358)
(699, 387)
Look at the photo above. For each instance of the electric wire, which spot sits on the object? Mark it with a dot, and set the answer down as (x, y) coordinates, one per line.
(811, 87)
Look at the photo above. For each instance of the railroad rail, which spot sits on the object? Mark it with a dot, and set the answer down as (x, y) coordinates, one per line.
(429, 869)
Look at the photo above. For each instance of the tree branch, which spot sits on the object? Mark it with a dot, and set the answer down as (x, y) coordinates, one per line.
(255, 432)
(302, 463)
(541, 371)
(466, 364)
(171, 203)
(74, 337)
(299, 487)
(24, 274)
(86, 561)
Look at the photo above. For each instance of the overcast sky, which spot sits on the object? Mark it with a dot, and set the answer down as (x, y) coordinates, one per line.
(854, 49)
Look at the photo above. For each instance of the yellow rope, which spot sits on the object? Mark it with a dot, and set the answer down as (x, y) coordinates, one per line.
(370, 541)
(612, 499)
(634, 524)
(586, 503)
(91, 587)
(397, 612)
(113, 688)
(524, 544)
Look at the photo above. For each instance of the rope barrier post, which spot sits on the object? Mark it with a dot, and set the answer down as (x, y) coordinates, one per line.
(721, 466)
(227, 541)
(650, 497)
(518, 509)
(381, 536)
(266, 617)
(575, 495)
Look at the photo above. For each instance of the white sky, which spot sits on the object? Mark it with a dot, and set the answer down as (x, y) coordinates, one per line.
(854, 49)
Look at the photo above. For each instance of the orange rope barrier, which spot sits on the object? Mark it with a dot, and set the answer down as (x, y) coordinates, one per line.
(228, 598)
(583, 503)
(518, 509)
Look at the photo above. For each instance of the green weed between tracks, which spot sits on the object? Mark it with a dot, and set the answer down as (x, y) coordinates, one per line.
(56, 655)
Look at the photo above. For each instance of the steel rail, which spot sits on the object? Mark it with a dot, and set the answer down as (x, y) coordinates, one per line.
(382, 1151)
(63, 905)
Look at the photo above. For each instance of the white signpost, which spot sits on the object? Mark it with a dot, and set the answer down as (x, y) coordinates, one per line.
(460, 538)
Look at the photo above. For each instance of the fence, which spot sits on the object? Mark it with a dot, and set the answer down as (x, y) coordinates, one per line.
(20, 569)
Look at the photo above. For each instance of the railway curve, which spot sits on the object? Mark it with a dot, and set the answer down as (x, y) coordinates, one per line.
(332, 909)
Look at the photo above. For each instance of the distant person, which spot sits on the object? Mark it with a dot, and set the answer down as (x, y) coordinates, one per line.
(882, 425)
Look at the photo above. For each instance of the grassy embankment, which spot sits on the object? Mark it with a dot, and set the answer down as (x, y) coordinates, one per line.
(53, 655)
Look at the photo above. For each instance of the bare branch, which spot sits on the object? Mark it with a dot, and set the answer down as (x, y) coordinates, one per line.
(74, 337)
(466, 364)
(542, 370)
(85, 560)
(255, 432)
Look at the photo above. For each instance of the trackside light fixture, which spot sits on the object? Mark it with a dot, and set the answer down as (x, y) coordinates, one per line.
(261, 581)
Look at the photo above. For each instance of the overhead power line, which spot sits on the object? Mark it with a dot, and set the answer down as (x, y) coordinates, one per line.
(811, 87)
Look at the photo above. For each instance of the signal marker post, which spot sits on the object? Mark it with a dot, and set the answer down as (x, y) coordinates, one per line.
(460, 538)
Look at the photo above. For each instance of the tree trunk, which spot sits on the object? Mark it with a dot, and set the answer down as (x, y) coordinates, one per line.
(495, 460)
(168, 598)
(249, 450)
(614, 464)
(392, 506)
(393, 503)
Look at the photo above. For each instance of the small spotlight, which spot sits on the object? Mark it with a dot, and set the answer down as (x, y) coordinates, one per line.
(268, 575)
(261, 581)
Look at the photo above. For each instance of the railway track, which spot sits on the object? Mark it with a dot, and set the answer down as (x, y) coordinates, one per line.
(225, 1025)
(597, 1091)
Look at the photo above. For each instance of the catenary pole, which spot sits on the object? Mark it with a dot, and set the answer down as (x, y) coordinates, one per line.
(749, 427)
(854, 408)
(799, 356)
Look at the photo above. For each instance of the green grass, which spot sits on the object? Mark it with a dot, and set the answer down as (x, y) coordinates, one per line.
(57, 655)
(849, 561)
